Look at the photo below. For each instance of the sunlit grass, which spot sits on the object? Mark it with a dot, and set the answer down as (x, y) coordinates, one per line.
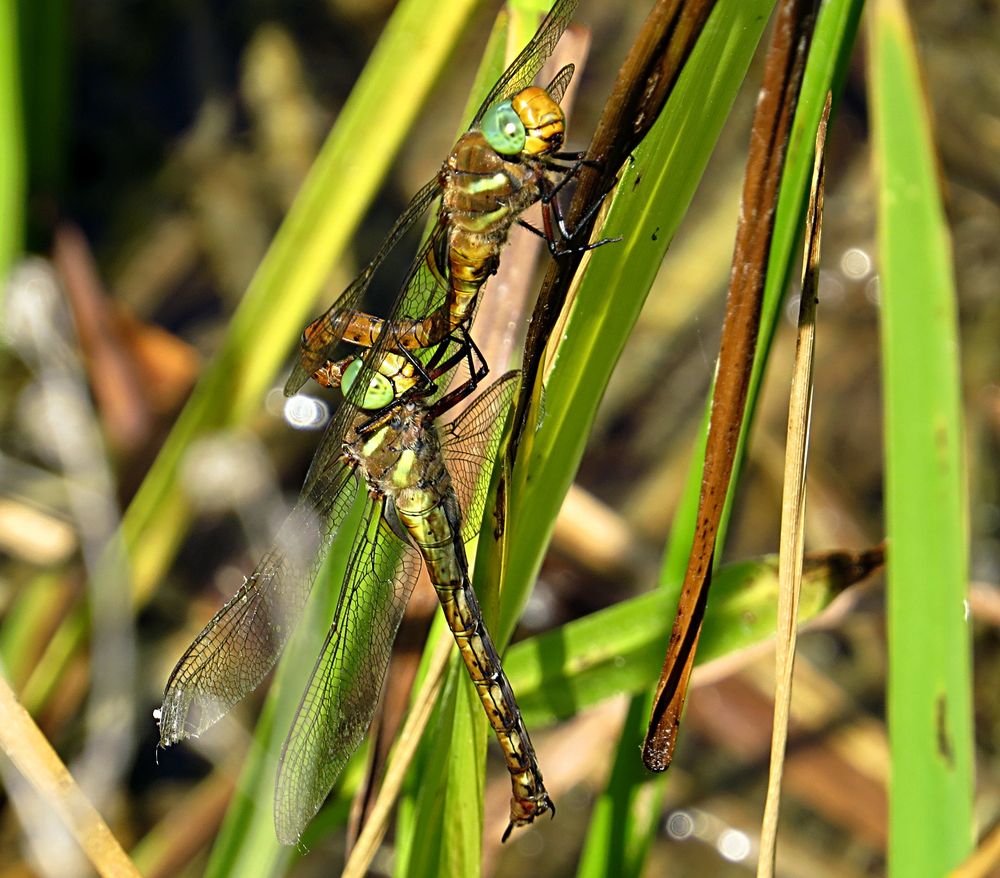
(927, 522)
(441, 823)
(12, 149)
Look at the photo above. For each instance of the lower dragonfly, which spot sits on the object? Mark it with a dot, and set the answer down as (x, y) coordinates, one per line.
(426, 500)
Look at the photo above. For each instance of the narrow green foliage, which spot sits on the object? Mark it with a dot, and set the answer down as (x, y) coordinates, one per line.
(562, 672)
(620, 827)
(930, 703)
(448, 829)
(12, 151)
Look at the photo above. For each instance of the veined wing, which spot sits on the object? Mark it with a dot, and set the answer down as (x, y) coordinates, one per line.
(327, 335)
(560, 82)
(426, 283)
(242, 642)
(337, 707)
(524, 68)
(423, 291)
(469, 445)
(418, 293)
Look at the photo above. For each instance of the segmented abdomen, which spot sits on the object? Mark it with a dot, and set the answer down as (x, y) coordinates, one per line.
(433, 527)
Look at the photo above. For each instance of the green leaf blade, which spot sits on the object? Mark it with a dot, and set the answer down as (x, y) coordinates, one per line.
(930, 699)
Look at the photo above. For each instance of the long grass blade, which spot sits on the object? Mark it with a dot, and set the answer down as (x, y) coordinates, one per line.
(13, 185)
(930, 699)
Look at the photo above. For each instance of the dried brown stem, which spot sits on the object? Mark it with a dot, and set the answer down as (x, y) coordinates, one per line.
(769, 135)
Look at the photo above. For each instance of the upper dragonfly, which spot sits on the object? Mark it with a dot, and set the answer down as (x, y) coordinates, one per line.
(502, 165)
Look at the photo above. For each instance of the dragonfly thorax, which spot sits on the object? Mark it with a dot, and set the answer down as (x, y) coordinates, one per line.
(484, 192)
(401, 454)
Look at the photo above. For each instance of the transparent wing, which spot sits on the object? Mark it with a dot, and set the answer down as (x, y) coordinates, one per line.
(327, 335)
(469, 445)
(240, 645)
(426, 283)
(339, 701)
(422, 292)
(560, 82)
(524, 68)
(424, 289)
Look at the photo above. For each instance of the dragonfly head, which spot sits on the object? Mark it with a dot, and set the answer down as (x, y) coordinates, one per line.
(530, 123)
(379, 392)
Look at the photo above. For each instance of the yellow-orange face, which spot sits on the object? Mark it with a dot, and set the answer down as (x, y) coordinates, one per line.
(543, 120)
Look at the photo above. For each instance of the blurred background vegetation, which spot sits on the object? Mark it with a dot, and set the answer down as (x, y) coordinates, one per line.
(163, 144)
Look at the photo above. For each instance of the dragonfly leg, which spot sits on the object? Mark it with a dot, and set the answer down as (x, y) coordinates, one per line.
(470, 351)
(434, 369)
(435, 364)
(535, 231)
(426, 374)
(577, 161)
(556, 243)
(553, 241)
(467, 350)
(552, 209)
(568, 173)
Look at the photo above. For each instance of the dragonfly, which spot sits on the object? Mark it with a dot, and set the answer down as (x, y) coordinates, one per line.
(508, 160)
(426, 498)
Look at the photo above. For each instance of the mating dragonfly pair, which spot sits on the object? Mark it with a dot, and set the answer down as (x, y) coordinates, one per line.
(426, 496)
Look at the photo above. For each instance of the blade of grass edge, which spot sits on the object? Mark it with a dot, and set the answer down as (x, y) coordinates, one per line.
(930, 702)
(13, 173)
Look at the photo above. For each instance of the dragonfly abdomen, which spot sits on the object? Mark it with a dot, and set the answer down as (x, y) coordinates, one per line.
(461, 608)
(434, 529)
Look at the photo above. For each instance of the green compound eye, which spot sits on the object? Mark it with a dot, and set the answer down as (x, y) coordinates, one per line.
(503, 130)
(379, 393)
